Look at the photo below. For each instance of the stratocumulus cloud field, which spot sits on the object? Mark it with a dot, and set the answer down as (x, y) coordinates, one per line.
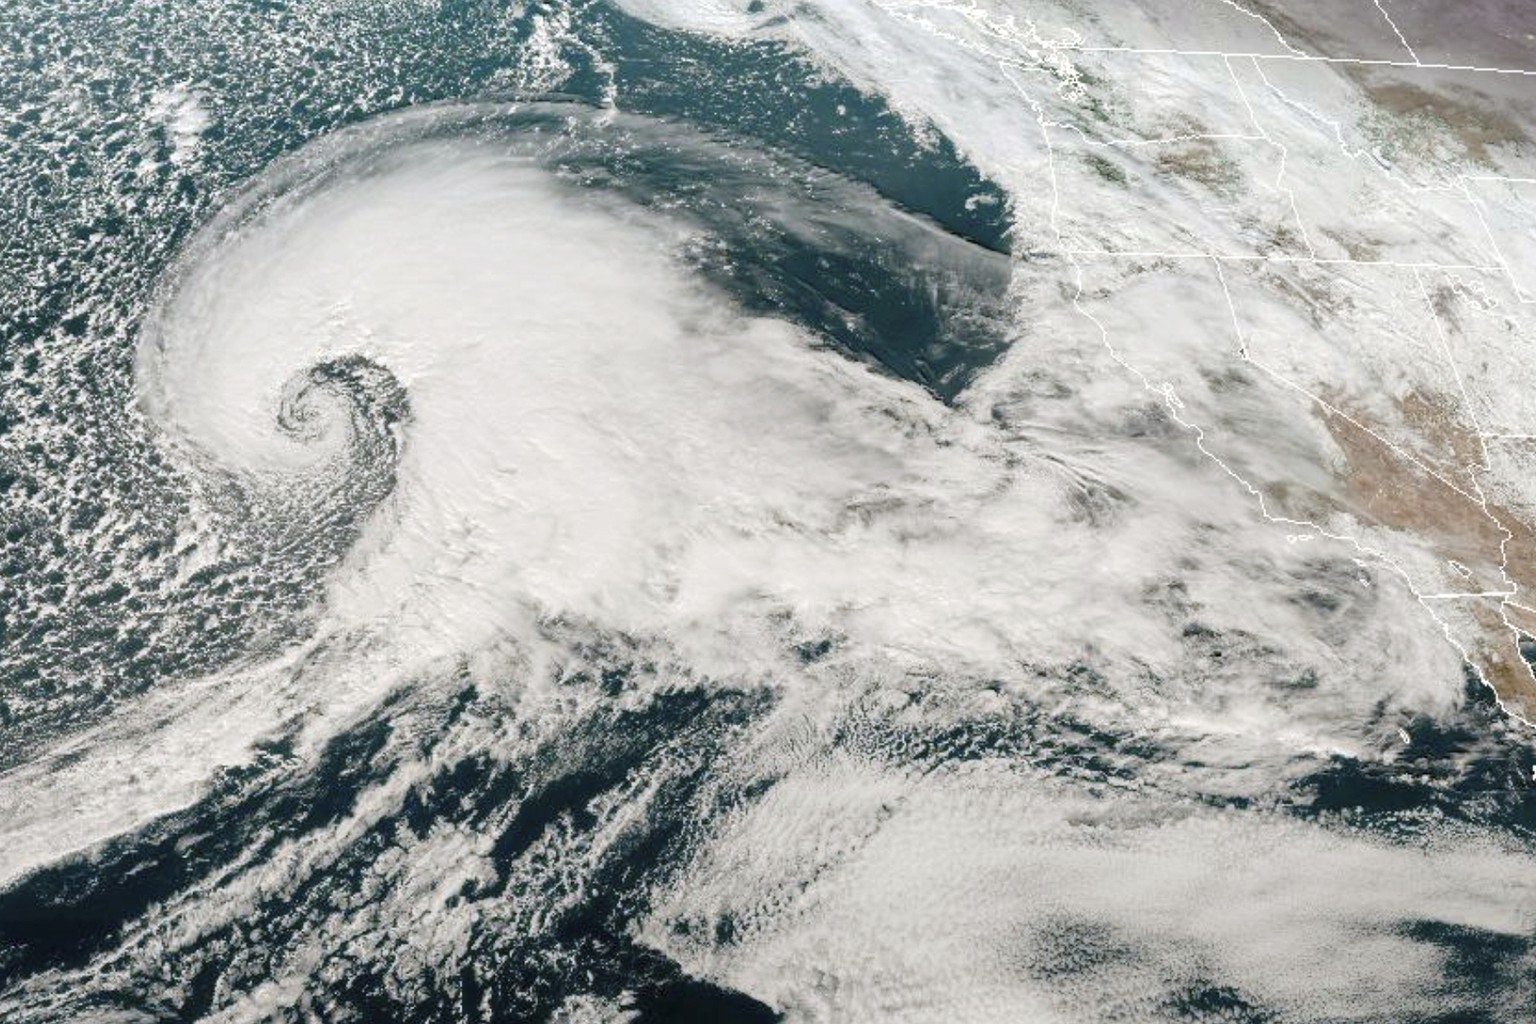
(716, 512)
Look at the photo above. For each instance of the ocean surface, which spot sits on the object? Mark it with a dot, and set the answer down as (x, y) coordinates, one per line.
(548, 512)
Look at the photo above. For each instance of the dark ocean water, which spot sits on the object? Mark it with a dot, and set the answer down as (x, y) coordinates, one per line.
(96, 233)
(99, 606)
(83, 634)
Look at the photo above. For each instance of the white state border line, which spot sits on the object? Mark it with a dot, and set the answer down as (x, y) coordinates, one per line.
(1397, 31)
(1239, 257)
(1312, 57)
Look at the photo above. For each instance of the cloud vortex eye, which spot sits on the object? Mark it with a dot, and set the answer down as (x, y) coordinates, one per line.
(859, 511)
(771, 236)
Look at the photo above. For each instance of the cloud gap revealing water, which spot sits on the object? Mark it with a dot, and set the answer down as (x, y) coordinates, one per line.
(742, 512)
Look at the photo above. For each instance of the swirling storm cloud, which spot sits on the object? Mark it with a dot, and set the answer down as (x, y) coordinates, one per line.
(723, 513)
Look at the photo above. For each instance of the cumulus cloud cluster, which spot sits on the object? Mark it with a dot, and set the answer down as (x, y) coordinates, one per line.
(568, 425)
